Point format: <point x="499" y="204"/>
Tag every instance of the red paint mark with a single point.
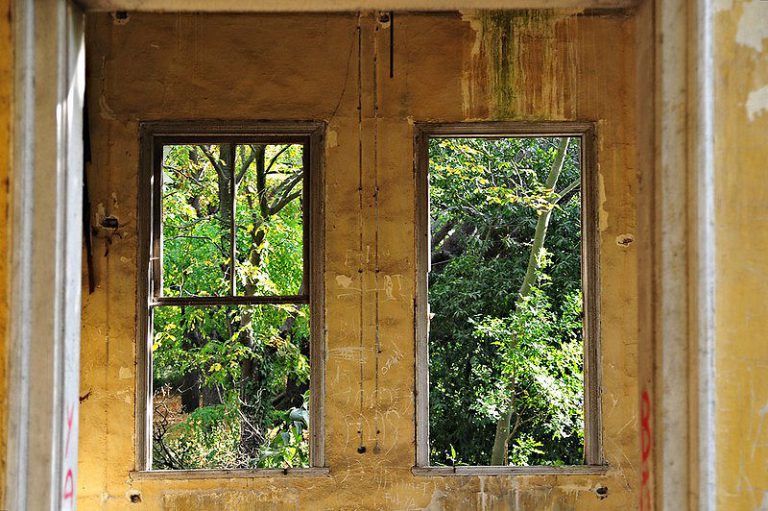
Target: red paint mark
<point x="68" y="495"/>
<point x="70" y="420"/>
<point x="69" y="486"/>
<point x="646" y="439"/>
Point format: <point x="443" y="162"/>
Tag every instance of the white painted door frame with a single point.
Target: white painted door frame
<point x="46" y="216"/>
<point x="683" y="284"/>
<point x="46" y="267"/>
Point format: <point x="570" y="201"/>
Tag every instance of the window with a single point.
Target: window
<point x="230" y="317"/>
<point x="507" y="321"/>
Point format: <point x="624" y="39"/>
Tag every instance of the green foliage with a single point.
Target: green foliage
<point x="229" y="381"/>
<point x="489" y="353"/>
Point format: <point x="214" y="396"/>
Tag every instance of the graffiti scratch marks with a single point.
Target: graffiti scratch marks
<point x="68" y="490"/>
<point x="645" y="448"/>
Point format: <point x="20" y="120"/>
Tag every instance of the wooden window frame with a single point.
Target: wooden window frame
<point x="590" y="276"/>
<point x="154" y="135"/>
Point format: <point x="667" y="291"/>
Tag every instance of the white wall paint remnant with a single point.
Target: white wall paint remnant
<point x="723" y="5"/>
<point x="602" y="214"/>
<point x="764" y="505"/>
<point x="753" y="25"/>
<point x="436" y="503"/>
<point x="757" y="101"/>
<point x="332" y="138"/>
<point x="343" y="281"/>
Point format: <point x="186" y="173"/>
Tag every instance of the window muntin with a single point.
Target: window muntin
<point x="231" y="381"/>
<point x="471" y="175"/>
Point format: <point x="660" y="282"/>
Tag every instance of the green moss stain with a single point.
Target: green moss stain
<point x="502" y="34"/>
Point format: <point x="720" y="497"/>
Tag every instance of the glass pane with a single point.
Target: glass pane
<point x="230" y="387"/>
<point x="270" y="223"/>
<point x="505" y="335"/>
<point x="196" y="219"/>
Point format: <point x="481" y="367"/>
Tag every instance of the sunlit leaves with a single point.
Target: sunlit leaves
<point x="206" y="408"/>
<point x="484" y="355"/>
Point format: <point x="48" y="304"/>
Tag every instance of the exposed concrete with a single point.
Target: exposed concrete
<point x="342" y="5"/>
<point x="448" y="67"/>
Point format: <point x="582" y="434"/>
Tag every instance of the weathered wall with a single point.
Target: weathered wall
<point x="342" y="5"/>
<point x="448" y="67"/>
<point x="741" y="152"/>
<point x="6" y="65"/>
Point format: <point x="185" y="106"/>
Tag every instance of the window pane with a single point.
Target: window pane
<point x="270" y="223"/>
<point x="196" y="217"/>
<point x="505" y="335"/>
<point x="230" y="387"/>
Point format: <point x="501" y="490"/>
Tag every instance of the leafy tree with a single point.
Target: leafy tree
<point x="505" y="336"/>
<point x="231" y="382"/>
<point x="241" y="373"/>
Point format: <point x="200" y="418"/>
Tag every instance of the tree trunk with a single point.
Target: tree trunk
<point x="500" y="451"/>
<point x="250" y="385"/>
<point x="251" y="436"/>
<point x="190" y="391"/>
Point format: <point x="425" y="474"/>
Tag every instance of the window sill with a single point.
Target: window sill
<point x="229" y="474"/>
<point x="573" y="470"/>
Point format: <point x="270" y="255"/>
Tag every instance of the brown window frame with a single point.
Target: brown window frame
<point x="594" y="461"/>
<point x="154" y="136"/>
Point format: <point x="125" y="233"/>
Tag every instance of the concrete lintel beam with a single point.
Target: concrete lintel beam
<point x="344" y="5"/>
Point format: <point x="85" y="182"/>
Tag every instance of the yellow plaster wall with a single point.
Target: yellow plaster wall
<point x="448" y="67"/>
<point x="741" y="146"/>
<point x="6" y="65"/>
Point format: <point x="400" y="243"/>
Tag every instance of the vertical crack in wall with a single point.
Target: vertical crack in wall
<point x="360" y="216"/>
<point x="376" y="269"/>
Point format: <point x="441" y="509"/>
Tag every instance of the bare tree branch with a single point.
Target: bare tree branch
<point x="567" y="192"/>
<point x="246" y="162"/>
<point x="273" y="210"/>
<point x="275" y="157"/>
<point x="206" y="150"/>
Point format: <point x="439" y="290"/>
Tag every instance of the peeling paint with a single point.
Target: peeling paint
<point x="602" y="211"/>
<point x="436" y="502"/>
<point x="344" y="281"/>
<point x="741" y="353"/>
<point x="764" y="505"/>
<point x="332" y="138"/>
<point x="105" y="111"/>
<point x="757" y="101"/>
<point x="753" y="25"/>
<point x="625" y="240"/>
<point x="723" y="5"/>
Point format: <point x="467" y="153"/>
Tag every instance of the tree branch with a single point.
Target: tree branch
<point x="441" y="233"/>
<point x="543" y="222"/>
<point x="567" y="193"/>
<point x="275" y="157"/>
<point x="246" y="162"/>
<point x="207" y="152"/>
<point x="189" y="236"/>
<point x="273" y="210"/>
